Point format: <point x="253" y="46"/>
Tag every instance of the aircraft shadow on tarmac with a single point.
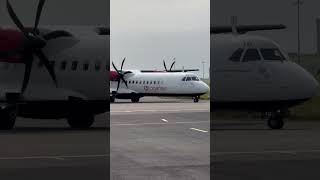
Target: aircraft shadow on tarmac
<point x="247" y="127"/>
<point x="19" y="130"/>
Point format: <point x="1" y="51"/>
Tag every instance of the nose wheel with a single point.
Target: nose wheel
<point x="275" y="120"/>
<point x="196" y="99"/>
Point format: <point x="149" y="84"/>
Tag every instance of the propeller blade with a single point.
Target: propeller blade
<point x="127" y="72"/>
<point x="125" y="82"/>
<point x="122" y="63"/>
<point x="164" y="64"/>
<point x="57" y="34"/>
<point x="115" y="68"/>
<point x="27" y="72"/>
<point x="39" y="11"/>
<point x="118" y="84"/>
<point x="42" y="57"/>
<point x="172" y="65"/>
<point x="15" y="19"/>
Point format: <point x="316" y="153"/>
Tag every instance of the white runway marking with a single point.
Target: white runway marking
<point x="141" y="124"/>
<point x="55" y="157"/>
<point x="164" y="120"/>
<point x="200" y="130"/>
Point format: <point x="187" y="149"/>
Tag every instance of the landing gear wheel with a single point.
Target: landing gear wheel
<point x="112" y="99"/>
<point x="196" y="99"/>
<point x="7" y="118"/>
<point x="81" y="121"/>
<point x="275" y="120"/>
<point x="135" y="99"/>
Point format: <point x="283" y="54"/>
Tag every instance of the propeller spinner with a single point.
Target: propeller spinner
<point x="32" y="44"/>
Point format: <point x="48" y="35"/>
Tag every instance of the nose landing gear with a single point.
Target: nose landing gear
<point x="196" y="99"/>
<point x="275" y="119"/>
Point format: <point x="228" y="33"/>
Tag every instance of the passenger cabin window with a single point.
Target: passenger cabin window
<point x="74" y="65"/>
<point x="86" y="66"/>
<point x="63" y="65"/>
<point x="251" y="55"/>
<point x="97" y="66"/>
<point x="272" y="54"/>
<point x="236" y="55"/>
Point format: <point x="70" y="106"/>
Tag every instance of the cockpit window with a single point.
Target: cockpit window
<point x="236" y="55"/>
<point x="272" y="54"/>
<point x="251" y="55"/>
<point x="188" y="79"/>
<point x="194" y="78"/>
<point x="184" y="78"/>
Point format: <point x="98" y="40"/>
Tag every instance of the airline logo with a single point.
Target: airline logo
<point x="154" y="89"/>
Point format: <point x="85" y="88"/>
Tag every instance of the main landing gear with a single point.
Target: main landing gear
<point x="8" y="117"/>
<point x="196" y="99"/>
<point x="80" y="120"/>
<point x="135" y="99"/>
<point x="275" y="119"/>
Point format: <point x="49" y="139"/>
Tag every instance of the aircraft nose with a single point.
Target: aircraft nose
<point x="204" y="87"/>
<point x="311" y="85"/>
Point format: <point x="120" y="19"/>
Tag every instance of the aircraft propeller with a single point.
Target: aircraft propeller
<point x="32" y="44"/>
<point x="165" y="67"/>
<point x="121" y="74"/>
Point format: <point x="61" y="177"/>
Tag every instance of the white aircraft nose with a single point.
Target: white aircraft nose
<point x="204" y="87"/>
<point x="306" y="85"/>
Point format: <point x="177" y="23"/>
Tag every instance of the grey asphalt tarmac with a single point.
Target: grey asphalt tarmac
<point x="48" y="149"/>
<point x="160" y="140"/>
<point x="248" y="150"/>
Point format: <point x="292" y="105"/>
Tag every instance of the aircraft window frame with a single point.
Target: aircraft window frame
<point x="63" y="65"/>
<point x="137" y="82"/>
<point x="184" y="78"/>
<point x="147" y="82"/>
<point x="150" y="82"/>
<point x="97" y="66"/>
<point x="235" y="56"/>
<point x="188" y="79"/>
<point x="282" y="57"/>
<point x="74" y="65"/>
<point x="144" y="82"/>
<point x="251" y="59"/>
<point x="86" y="66"/>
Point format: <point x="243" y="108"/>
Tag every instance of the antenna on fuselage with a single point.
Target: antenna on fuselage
<point x="234" y="23"/>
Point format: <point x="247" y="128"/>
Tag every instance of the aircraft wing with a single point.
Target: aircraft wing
<point x="245" y="28"/>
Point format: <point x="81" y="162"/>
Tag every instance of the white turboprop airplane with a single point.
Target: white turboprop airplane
<point x="134" y="84"/>
<point x="50" y="73"/>
<point x="253" y="73"/>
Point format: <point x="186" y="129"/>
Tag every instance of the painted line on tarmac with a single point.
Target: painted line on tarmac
<point x="164" y="120"/>
<point x="160" y="123"/>
<point x="55" y="157"/>
<point x="200" y="130"/>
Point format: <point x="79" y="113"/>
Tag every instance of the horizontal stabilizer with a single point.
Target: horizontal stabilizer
<point x="245" y="28"/>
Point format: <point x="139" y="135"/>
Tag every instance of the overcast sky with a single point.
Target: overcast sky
<point x="147" y="31"/>
<point x="272" y="12"/>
